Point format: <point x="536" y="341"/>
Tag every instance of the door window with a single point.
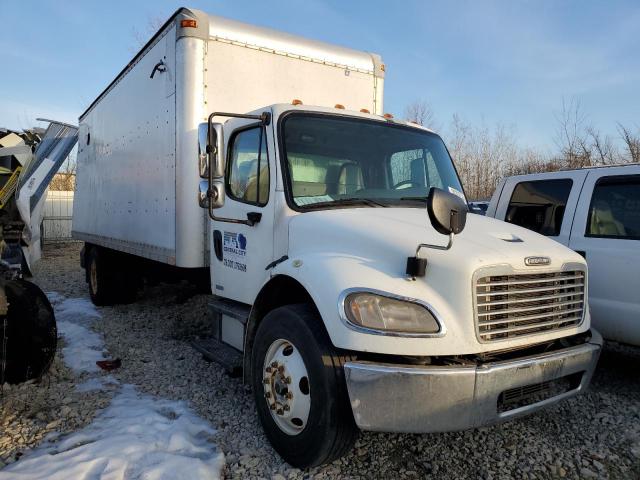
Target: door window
<point x="248" y="167"/>
<point x="539" y="205"/>
<point x="615" y="208"/>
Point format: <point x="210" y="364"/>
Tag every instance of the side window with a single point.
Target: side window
<point x="539" y="205"/>
<point x="414" y="168"/>
<point x="615" y="208"/>
<point x="248" y="167"/>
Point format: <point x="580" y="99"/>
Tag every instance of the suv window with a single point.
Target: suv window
<point x="615" y="208"/>
<point x="248" y="167"/>
<point x="539" y="205"/>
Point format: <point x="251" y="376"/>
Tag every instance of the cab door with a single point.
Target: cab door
<point x="241" y="252"/>
<point x="606" y="230"/>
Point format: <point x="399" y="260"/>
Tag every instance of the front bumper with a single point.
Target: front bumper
<point x="420" y="399"/>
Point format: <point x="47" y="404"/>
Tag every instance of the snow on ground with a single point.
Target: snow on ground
<point x="97" y="383"/>
<point x="83" y="347"/>
<point x="137" y="436"/>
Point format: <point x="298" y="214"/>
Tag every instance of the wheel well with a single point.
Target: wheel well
<point x="279" y="291"/>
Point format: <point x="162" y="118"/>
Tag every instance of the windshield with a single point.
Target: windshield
<point x="339" y="161"/>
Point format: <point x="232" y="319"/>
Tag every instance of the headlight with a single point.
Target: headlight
<point x="378" y="312"/>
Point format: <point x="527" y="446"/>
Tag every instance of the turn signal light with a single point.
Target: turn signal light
<point x="296" y="102"/>
<point x="387" y="115"/>
<point x="188" y="24"/>
<point x="364" y="110"/>
<point x="338" y="105"/>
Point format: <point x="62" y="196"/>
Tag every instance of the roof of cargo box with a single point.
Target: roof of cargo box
<point x="268" y="39"/>
<point x="231" y="31"/>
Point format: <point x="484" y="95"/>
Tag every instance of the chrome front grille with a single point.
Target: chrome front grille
<point x="516" y="305"/>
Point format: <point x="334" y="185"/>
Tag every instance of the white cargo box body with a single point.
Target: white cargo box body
<point x="138" y="177"/>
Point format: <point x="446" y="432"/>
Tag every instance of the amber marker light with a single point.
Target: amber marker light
<point x="295" y="101"/>
<point x="188" y="24"/>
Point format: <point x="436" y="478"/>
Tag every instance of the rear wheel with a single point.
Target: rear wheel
<point x="109" y="280"/>
<point x="28" y="334"/>
<point x="299" y="388"/>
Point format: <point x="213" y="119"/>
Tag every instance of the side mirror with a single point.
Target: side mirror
<point x="447" y="212"/>
<point x="214" y="160"/>
<point x="215" y="149"/>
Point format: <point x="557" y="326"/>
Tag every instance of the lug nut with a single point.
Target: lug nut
<point x="287" y="380"/>
<point x="281" y="368"/>
<point x="267" y="394"/>
<point x="268" y="370"/>
<point x="289" y="395"/>
<point x="274" y="364"/>
<point x="279" y="411"/>
<point x="287" y="408"/>
<point x="272" y="406"/>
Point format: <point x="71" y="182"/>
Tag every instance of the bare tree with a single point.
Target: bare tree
<point x="420" y="112"/>
<point x="141" y="37"/>
<point x="572" y="138"/>
<point x="602" y="147"/>
<point x="632" y="143"/>
<point x="484" y="155"/>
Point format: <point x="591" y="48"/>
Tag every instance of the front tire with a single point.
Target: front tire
<point x="299" y="388"/>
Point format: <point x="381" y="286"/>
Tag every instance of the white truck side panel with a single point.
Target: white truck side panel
<point x="126" y="189"/>
<point x="242" y="79"/>
<point x="137" y="159"/>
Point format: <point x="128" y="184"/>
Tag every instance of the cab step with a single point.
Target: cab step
<point x="216" y="351"/>
<point x="225" y="347"/>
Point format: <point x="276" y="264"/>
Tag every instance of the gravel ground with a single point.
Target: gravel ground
<point x="596" y="435"/>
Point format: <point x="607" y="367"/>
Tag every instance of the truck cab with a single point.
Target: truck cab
<point x="318" y="218"/>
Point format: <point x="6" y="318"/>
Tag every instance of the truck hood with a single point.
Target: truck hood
<point x="385" y="237"/>
<point x="335" y="251"/>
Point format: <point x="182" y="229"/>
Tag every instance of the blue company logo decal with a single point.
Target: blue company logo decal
<point x="234" y="246"/>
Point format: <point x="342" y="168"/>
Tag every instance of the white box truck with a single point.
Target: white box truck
<point x="345" y="273"/>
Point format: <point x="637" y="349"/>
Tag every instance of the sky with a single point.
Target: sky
<point x="508" y="63"/>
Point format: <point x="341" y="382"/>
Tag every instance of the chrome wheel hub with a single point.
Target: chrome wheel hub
<point x="286" y="387"/>
<point x="93" y="276"/>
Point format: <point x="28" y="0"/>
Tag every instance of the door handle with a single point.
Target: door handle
<point x="253" y="218"/>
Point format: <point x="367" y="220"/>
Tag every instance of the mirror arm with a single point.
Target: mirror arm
<point x="252" y="217"/>
<point x="264" y="117"/>
<point x="436" y="247"/>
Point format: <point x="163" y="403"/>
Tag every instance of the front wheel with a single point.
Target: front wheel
<point x="299" y="388"/>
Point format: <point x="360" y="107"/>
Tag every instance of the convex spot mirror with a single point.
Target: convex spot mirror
<point x="447" y="212"/>
<point x="215" y="149"/>
<point x="203" y="155"/>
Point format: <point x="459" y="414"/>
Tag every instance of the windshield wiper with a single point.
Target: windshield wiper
<point x="415" y="199"/>
<point x="345" y="201"/>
